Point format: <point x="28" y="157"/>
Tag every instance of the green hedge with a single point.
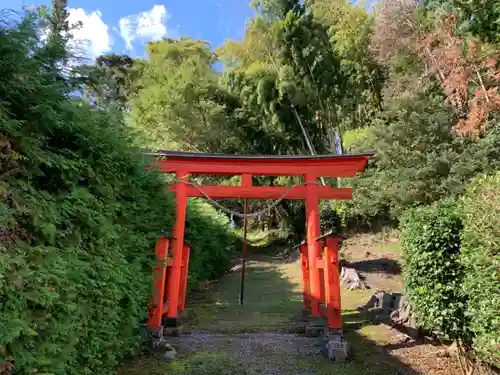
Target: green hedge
<point x="432" y="271"/>
<point x="480" y="256"/>
<point x="78" y="220"/>
<point x="452" y="267"/>
<point x="213" y="243"/>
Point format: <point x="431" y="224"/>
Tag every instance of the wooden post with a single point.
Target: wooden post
<point x="322" y="285"/>
<point x="306" y="290"/>
<point x="313" y="232"/>
<point x="246" y="180"/>
<point x="173" y="287"/>
<point x="332" y="282"/>
<point x="161" y="251"/>
<point x="184" y="277"/>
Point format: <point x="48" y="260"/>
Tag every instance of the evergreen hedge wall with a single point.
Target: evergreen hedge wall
<point x="480" y="256"/>
<point x="78" y="220"/>
<point x="432" y="270"/>
<point x="452" y="267"/>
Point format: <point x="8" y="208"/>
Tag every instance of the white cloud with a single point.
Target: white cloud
<point x="145" y="25"/>
<point x="92" y="36"/>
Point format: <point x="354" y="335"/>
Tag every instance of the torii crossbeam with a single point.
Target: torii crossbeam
<point x="310" y="167"/>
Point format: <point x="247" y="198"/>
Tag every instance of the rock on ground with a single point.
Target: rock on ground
<point x="350" y="279"/>
<point x="393" y="309"/>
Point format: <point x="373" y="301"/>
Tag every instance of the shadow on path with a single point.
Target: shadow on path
<point x="380" y="265"/>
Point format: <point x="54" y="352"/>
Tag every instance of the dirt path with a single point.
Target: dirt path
<point x="224" y="338"/>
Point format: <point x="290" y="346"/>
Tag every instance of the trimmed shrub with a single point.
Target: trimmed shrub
<point x="213" y="243"/>
<point x="79" y="216"/>
<point x="480" y="256"/>
<point x="432" y="270"/>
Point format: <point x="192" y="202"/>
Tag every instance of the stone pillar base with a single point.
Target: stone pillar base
<point x="173" y="331"/>
<point x="338" y="349"/>
<point x="157" y="333"/>
<point x="315" y="327"/>
<point x="173" y="327"/>
<point x="162" y="350"/>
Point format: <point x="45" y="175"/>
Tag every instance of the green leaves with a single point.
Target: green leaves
<point x="432" y="270"/>
<point x="178" y="104"/>
<point x="111" y="81"/>
<point x="451" y="266"/>
<point x="419" y="160"/>
<point x="79" y="217"/>
<point x="477" y="17"/>
<point x="480" y="256"/>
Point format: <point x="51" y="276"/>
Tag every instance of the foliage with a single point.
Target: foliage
<point x="481" y="259"/>
<point x="329" y="219"/>
<point x="480" y="18"/>
<point x="350" y="30"/>
<point x="255" y="48"/>
<point x="451" y="266"/>
<point x="78" y="219"/>
<point x="111" y="80"/>
<point x="284" y="87"/>
<point x="432" y="270"/>
<point x="396" y="28"/>
<point x="352" y="137"/>
<point x="275" y="9"/>
<point x="58" y="21"/>
<point x="213" y="244"/>
<point x="468" y="73"/>
<point x="419" y="160"/>
<point x="178" y="103"/>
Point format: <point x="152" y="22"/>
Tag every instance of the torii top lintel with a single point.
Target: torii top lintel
<point x="218" y="164"/>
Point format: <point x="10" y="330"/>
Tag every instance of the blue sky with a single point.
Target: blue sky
<point x="123" y="26"/>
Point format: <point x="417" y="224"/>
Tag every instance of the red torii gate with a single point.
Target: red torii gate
<point x="170" y="288"/>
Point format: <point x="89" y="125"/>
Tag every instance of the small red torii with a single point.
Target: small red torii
<point x="321" y="280"/>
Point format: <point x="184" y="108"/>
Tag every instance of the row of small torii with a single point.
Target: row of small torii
<point x="319" y="254"/>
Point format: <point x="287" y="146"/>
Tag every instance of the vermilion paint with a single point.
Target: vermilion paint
<point x="316" y="285"/>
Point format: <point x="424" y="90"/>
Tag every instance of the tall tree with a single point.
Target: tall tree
<point x="58" y="34"/>
<point x="298" y="73"/>
<point x="59" y="17"/>
<point x="111" y="80"/>
<point x="480" y="18"/>
<point x="275" y="9"/>
<point x="468" y="71"/>
<point x="350" y="29"/>
<point x="179" y="104"/>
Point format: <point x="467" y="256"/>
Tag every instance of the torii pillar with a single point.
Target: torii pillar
<point x="310" y="167"/>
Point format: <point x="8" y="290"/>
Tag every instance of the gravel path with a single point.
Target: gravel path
<point x="263" y="353"/>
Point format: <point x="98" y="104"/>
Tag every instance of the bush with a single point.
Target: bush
<point x="212" y="242"/>
<point x="79" y="216"/>
<point x="432" y="270"/>
<point x="480" y="256"/>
